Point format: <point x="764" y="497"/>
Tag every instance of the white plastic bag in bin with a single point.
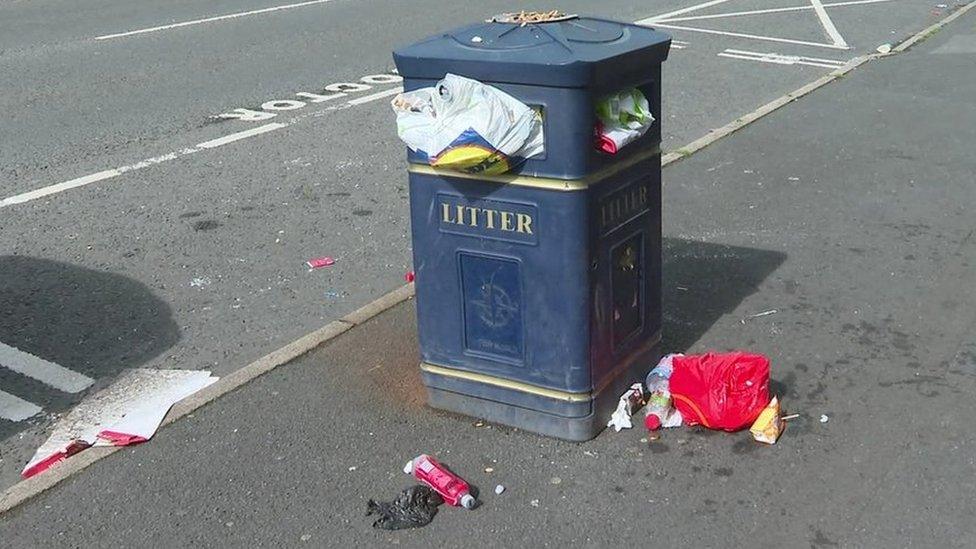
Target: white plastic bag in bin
<point x="462" y="124"/>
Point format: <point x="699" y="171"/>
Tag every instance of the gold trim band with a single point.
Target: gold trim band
<point x="519" y="386"/>
<point x="523" y="387"/>
<point x="549" y="183"/>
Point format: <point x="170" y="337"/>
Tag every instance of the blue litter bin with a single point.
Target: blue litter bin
<point x="539" y="291"/>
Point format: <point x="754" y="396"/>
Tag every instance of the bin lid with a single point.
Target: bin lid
<point x="568" y="51"/>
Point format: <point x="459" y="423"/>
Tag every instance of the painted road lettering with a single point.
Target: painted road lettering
<point x="270" y="109"/>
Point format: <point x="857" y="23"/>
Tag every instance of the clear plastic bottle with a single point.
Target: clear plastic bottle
<point x="660" y="411"/>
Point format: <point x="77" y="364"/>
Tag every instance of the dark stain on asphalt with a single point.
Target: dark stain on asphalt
<point x="695" y="469"/>
<point x="790" y="286"/>
<point x="801" y="366"/>
<point x="816" y="393"/>
<point x="188" y="215"/>
<point x="246" y="208"/>
<point x="206" y="225"/>
<point x="723" y="472"/>
<point x="820" y="540"/>
<point x="338" y="194"/>
<point x="659" y="448"/>
<point x="361" y="212"/>
<point x="702" y="431"/>
<point x="618" y="489"/>
<point x="744" y="446"/>
<point x="901" y="342"/>
<point x="783" y="386"/>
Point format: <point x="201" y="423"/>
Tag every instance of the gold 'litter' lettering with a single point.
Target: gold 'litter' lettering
<point x="489" y="218"/>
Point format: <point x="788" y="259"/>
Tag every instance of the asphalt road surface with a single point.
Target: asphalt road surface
<point x="166" y="168"/>
<point x="857" y="233"/>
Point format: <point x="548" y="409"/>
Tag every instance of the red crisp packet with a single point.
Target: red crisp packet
<point x="320" y="262"/>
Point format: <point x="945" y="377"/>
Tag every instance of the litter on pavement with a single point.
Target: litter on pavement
<point x="824" y="418"/>
<point x="129" y="411"/>
<point x="629" y="403"/>
<point x="319" y="262"/>
<point x="451" y="487"/>
<point x="499" y="489"/>
<point x="414" y="507"/>
<point x="660" y="408"/>
<point x="769" y="425"/>
<point x="622" y="118"/>
<point x="462" y="124"/>
<point x="724" y="391"/>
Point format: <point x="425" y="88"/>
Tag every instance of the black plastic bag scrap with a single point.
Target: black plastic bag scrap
<point x="412" y="508"/>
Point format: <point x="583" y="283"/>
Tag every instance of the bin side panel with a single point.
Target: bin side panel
<point x="626" y="286"/>
<point x="502" y="281"/>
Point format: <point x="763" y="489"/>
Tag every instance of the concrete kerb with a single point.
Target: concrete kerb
<point x="26" y="489"/>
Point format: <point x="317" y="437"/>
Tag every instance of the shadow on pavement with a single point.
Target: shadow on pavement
<point x="703" y="282"/>
<point x="92" y="322"/>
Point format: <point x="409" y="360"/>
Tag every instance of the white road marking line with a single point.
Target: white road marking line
<point x="828" y="25"/>
<point x="678" y="44"/>
<point x="375" y="96"/>
<point x="679" y="12"/>
<point x="16" y="409"/>
<point x="46" y="372"/>
<point x="835" y="62"/>
<point x="784" y="60"/>
<point x="210" y="19"/>
<point x="752" y="36"/>
<point x="770" y="10"/>
<point x="206" y="145"/>
<point x="214" y="143"/>
<point x="60" y="187"/>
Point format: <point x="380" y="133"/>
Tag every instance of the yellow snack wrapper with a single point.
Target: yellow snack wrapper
<point x="768" y="425"/>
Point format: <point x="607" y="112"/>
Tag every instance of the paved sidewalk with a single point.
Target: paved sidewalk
<point x="848" y="213"/>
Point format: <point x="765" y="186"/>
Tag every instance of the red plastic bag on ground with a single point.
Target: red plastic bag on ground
<point x="720" y="390"/>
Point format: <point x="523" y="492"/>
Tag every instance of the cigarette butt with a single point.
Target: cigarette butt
<point x="791" y="416"/>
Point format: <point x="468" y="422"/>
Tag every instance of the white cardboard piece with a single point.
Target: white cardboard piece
<point x="128" y="411"/>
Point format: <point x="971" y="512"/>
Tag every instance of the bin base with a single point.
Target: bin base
<point x="577" y="428"/>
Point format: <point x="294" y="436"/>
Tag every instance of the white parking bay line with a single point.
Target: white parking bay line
<point x="752" y="36"/>
<point x="834" y="62"/>
<point x="16" y="409"/>
<point x="827" y="24"/>
<point x="214" y="143"/>
<point x="663" y="16"/>
<point x="766" y="11"/>
<point x="780" y="59"/>
<point x="46" y="372"/>
<point x="210" y="19"/>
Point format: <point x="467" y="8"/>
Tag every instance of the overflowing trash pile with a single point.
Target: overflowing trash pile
<point x="622" y="118"/>
<point x="722" y="391"/>
<point x="464" y="125"/>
